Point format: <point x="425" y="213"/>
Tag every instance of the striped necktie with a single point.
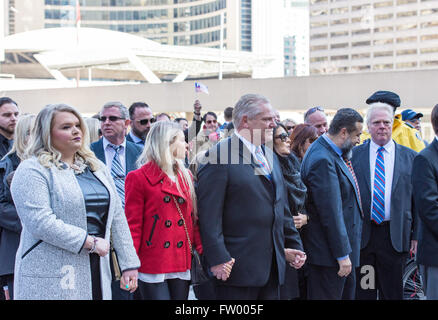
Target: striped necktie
<point x="118" y="174"/>
<point x="378" y="209"/>
<point x="262" y="163"/>
<point x="356" y="184"/>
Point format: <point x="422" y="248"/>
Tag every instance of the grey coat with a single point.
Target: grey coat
<point x="51" y="207"/>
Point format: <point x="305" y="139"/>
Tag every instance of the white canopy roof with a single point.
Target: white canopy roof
<point x="61" y="50"/>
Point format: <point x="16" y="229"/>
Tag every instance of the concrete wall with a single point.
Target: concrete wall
<point x="417" y="90"/>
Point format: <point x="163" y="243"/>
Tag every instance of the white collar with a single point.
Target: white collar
<point x="106" y="143"/>
<point x="389" y="147"/>
<point x="247" y="143"/>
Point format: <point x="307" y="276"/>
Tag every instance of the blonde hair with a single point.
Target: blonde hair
<point x="157" y="148"/>
<point x="40" y="143"/>
<point x="93" y="125"/>
<point x="21" y="133"/>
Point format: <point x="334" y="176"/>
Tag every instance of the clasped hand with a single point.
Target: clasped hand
<point x="223" y="271"/>
<point x="296" y="258"/>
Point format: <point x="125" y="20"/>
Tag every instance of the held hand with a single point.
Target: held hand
<point x="129" y="280"/>
<point x="296" y="258"/>
<point x="300" y="220"/>
<point x="414" y="244"/>
<point x="344" y="267"/>
<point x="223" y="271"/>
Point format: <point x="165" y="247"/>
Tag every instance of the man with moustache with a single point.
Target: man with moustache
<point x="8" y="119"/>
<point x="383" y="169"/>
<point x="332" y="238"/>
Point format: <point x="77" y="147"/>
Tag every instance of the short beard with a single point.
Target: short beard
<point x="6" y="130"/>
<point x="139" y="134"/>
<point x="347" y="148"/>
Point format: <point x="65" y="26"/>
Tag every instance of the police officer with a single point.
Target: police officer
<point x="413" y="119"/>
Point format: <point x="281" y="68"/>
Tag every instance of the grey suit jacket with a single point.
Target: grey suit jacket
<point x="403" y="226"/>
<point x="51" y="207"/>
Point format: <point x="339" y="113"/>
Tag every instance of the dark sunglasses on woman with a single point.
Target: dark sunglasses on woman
<point x="283" y="137"/>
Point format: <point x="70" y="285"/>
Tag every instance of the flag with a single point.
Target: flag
<point x="78" y="14"/>
<point x="199" y="87"/>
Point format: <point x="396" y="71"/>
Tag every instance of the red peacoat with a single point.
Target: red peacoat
<point x="156" y="226"/>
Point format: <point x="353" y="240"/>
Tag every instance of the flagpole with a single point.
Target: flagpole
<point x="78" y="24"/>
<point x="221" y="45"/>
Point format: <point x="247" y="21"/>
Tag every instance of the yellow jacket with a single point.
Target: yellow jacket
<point x="402" y="134"/>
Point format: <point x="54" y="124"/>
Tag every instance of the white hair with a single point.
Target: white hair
<point x="379" y="106"/>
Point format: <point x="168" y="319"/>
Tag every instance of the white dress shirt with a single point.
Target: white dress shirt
<point x="110" y="153"/>
<point x="389" y="158"/>
<point x="252" y="148"/>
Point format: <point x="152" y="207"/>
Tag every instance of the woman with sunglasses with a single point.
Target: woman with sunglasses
<point x="296" y="191"/>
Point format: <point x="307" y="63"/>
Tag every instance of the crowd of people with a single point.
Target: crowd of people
<point x="115" y="206"/>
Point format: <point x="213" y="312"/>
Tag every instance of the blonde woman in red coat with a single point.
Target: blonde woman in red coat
<point x="159" y="232"/>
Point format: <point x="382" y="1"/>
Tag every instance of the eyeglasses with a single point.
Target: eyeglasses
<point x="290" y="128"/>
<point x="110" y="118"/>
<point x="313" y="110"/>
<point x="283" y="137"/>
<point x="210" y="121"/>
<point x="144" y="122"/>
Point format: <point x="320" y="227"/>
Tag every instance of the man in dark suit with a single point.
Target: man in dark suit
<point x="383" y="169"/>
<point x="142" y="118"/>
<point x="9" y="224"/>
<point x="425" y="184"/>
<point x="332" y="238"/>
<point x="243" y="212"/>
<point x="119" y="155"/>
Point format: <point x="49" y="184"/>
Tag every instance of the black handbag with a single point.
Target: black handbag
<point x="198" y="273"/>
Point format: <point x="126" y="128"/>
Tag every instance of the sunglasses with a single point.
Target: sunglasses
<point x="290" y="128"/>
<point x="313" y="110"/>
<point x="283" y="137"/>
<point x="110" y="118"/>
<point x="145" y="121"/>
<point x="211" y="121"/>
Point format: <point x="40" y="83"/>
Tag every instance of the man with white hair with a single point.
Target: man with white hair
<point x="401" y="133"/>
<point x="389" y="230"/>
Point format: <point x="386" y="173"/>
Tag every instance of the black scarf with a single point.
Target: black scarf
<point x="296" y="189"/>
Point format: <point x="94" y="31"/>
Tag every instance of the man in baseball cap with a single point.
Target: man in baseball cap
<point x="401" y="132"/>
<point x="412" y="118"/>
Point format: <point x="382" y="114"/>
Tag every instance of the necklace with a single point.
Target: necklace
<point x="78" y="165"/>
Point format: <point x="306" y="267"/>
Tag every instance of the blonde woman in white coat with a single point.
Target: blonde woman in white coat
<point x="57" y="191"/>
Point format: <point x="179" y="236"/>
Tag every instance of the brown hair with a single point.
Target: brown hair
<point x="434" y="119"/>
<point x="301" y="133"/>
